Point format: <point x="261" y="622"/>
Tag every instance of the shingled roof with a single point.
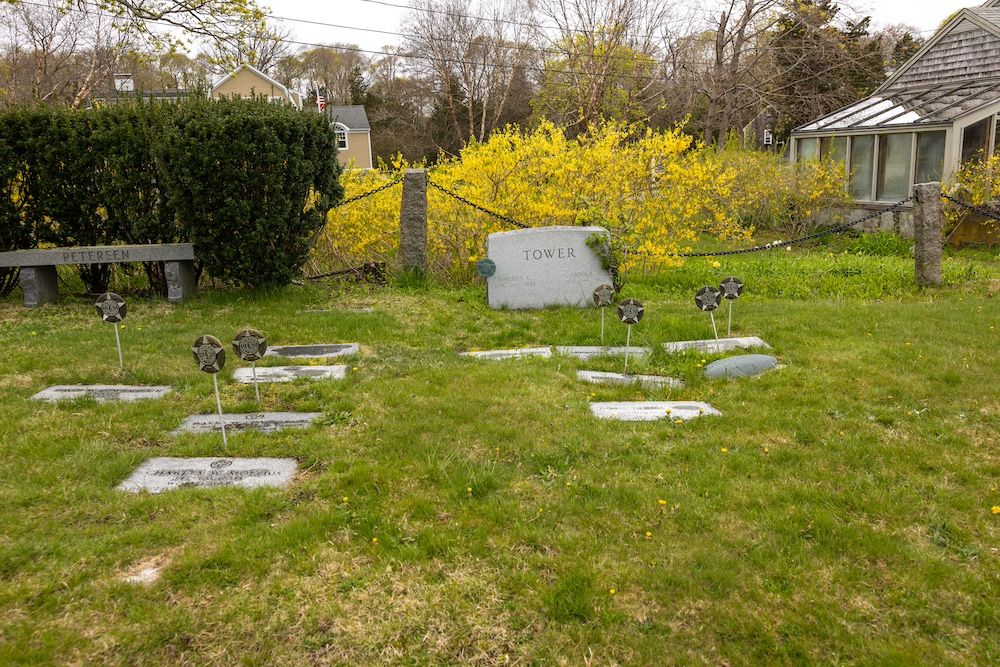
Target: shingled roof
<point x="956" y="73"/>
<point x="967" y="47"/>
<point x="354" y="117"/>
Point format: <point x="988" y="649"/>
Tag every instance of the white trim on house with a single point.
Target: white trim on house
<point x="342" y="130"/>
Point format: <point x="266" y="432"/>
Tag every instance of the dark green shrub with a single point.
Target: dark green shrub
<point x="128" y="180"/>
<point x="251" y="184"/>
<point x="69" y="206"/>
<point x="16" y="227"/>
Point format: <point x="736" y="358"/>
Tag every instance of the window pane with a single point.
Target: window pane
<point x="930" y="157"/>
<point x="974" y="140"/>
<point x="824" y="148"/>
<point x="862" y="163"/>
<point x="996" y="139"/>
<point x="808" y="150"/>
<point x="894" y="153"/>
<point x="838" y="149"/>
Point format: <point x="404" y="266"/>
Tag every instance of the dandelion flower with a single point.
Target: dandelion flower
<point x="468" y="489"/>
<point x="612" y="591"/>
<point x="996" y="509"/>
<point x="648" y="534"/>
<point x="344" y="499"/>
<point x="724" y="450"/>
<point x="662" y="501"/>
<point x="374" y="540"/>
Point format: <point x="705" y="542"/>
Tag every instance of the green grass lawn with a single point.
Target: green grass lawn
<point x="452" y="511"/>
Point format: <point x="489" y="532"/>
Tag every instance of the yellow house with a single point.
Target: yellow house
<point x="354" y="135"/>
<point x="248" y="81"/>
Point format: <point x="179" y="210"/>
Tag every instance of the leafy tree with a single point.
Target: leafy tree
<point x="821" y="64"/>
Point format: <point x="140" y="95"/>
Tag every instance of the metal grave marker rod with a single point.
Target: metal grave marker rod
<point x="112" y="308"/>
<point x="731" y="288"/>
<point x="630" y="311"/>
<point x="707" y="299"/>
<point x="211" y="357"/>
<point x="250" y="345"/>
<point x="602" y="299"/>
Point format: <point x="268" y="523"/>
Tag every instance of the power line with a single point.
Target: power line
<point x="505" y="45"/>
<point x="410" y="56"/>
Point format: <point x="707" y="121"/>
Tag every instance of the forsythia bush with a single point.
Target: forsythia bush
<point x="657" y="193"/>
<point x="977" y="183"/>
<point x="366" y="230"/>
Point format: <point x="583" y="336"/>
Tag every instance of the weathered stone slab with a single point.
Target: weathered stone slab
<point x="712" y="346"/>
<point x="110" y="254"/>
<point x="326" y="351"/>
<point x="588" y="352"/>
<point x="290" y="373"/>
<point x="520" y="353"/>
<point x="168" y="473"/>
<point x="265" y="422"/>
<point x="545" y="266"/>
<point x="102" y="393"/>
<point x="647" y="381"/>
<point x="40" y="285"/>
<point x="743" y="366"/>
<point x="644" y="411"/>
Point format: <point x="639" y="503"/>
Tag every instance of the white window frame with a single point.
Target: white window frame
<point x="340" y="130"/>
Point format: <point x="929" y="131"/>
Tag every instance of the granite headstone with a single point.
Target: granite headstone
<point x="544" y="266"/>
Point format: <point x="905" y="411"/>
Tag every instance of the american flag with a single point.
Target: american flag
<point x="320" y="102"/>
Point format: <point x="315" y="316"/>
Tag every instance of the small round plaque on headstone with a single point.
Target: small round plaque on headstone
<point x="111" y="307"/>
<point x="249" y="345"/>
<point x="486" y="268"/>
<point x="603" y="296"/>
<point x="630" y="311"/>
<point x="708" y="298"/>
<point x="731" y="287"/>
<point x="209" y="353"/>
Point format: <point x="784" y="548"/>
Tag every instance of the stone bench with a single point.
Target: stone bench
<point x="38" y="267"/>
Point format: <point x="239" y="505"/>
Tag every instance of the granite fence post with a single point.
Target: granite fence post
<point x="927" y="234"/>
<point x="413" y="222"/>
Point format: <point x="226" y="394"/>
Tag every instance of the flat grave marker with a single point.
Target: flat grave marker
<point x="321" y="351"/>
<point x="644" y="411"/>
<point x="544" y="266"/>
<point x="712" y="346"/>
<point x="267" y="374"/>
<point x="500" y="355"/>
<point x="102" y="393"/>
<point x="168" y="473"/>
<point x="588" y="352"/>
<point x="646" y="381"/>
<point x="264" y="422"/>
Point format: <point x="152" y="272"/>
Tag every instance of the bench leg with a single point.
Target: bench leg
<point x="40" y="285"/>
<point x="180" y="280"/>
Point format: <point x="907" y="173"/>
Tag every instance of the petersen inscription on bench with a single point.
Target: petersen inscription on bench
<point x="38" y="266"/>
<point x="168" y="473"/>
<point x="546" y="266"/>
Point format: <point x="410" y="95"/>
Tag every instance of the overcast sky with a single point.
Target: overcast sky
<point x="925" y="15"/>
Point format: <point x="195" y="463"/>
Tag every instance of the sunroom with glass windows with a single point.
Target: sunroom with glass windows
<point x="896" y="138"/>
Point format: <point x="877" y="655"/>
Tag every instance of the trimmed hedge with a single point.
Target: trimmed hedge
<point x="248" y="183"/>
